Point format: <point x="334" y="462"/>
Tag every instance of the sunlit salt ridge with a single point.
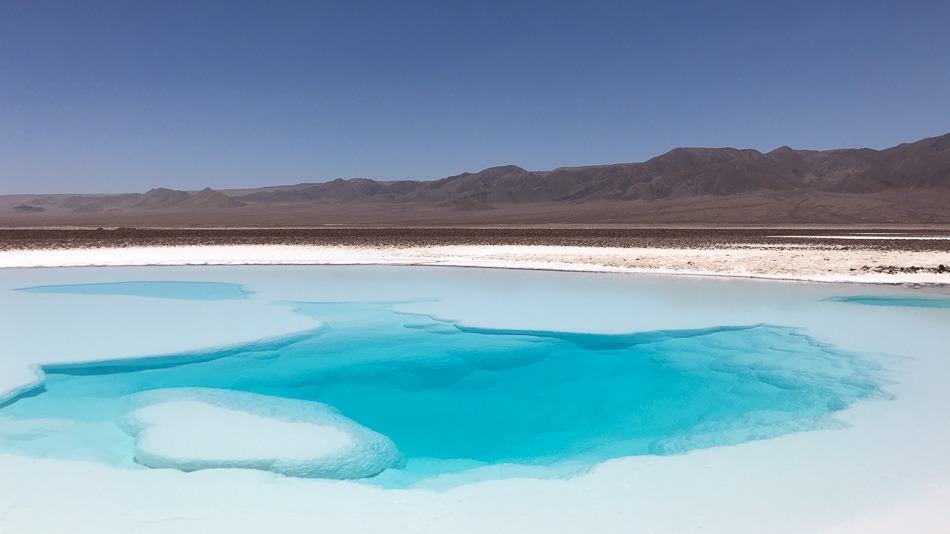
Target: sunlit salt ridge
<point x="192" y="429"/>
<point x="451" y="399"/>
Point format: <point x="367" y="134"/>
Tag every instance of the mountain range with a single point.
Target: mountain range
<point x="905" y="183"/>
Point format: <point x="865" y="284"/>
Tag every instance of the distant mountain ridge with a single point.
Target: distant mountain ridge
<point x="159" y="198"/>
<point x="681" y="172"/>
<point x="893" y="180"/>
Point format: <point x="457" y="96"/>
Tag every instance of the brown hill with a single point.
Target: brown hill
<point x="906" y="183"/>
<point x="679" y="173"/>
<point x="209" y="198"/>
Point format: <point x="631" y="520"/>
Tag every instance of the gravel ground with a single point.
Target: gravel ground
<point x="888" y="238"/>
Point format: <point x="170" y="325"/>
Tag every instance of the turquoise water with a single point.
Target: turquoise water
<point x="454" y="398"/>
<point x="903" y="302"/>
<point x="162" y="289"/>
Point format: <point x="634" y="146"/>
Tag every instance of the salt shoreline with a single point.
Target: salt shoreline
<point x="766" y="261"/>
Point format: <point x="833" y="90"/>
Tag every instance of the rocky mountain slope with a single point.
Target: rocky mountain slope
<point x="905" y="183"/>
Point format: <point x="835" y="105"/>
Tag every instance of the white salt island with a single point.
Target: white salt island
<point x="194" y="428"/>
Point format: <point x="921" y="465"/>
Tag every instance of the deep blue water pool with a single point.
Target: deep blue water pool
<point x="453" y="398"/>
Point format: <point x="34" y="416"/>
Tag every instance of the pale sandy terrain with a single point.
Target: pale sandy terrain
<point x="789" y="262"/>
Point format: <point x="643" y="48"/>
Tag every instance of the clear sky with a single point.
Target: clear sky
<point x="128" y="95"/>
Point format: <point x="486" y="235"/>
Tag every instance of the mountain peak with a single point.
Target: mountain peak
<point x="162" y="197"/>
<point x="782" y="149"/>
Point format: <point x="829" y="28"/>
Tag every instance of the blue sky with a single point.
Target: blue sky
<point x="128" y="95"/>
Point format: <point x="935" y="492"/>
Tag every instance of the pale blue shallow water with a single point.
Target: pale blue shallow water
<point x="158" y="289"/>
<point x="453" y="398"/>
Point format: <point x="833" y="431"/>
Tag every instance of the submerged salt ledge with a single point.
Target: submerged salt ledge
<point x="17" y="381"/>
<point x="134" y="331"/>
<point x="192" y="429"/>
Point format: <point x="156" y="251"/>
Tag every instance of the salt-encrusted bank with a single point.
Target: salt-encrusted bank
<point x="792" y="262"/>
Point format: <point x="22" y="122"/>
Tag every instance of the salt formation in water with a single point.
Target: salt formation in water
<point x="195" y="428"/>
<point x="903" y="302"/>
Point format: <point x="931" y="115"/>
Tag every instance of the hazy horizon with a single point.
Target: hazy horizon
<point x="323" y="180"/>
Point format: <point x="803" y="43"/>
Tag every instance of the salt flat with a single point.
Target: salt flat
<point x="802" y="262"/>
<point x="884" y="466"/>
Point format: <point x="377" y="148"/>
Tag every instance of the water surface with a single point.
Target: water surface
<point x="454" y="398"/>
<point x="895" y="301"/>
<point x="152" y="289"/>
